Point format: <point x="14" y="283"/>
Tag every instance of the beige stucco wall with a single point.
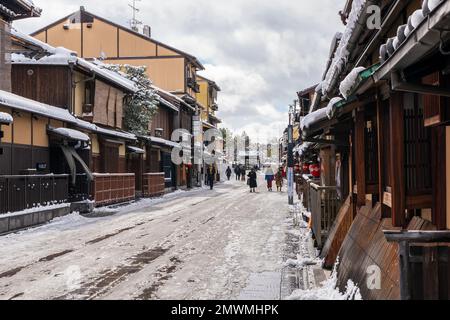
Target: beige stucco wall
<point x="122" y="150"/>
<point x="95" y="146"/>
<point x="40" y="137"/>
<point x="102" y="37"/>
<point x="168" y="74"/>
<point x="79" y="93"/>
<point x="21" y="128"/>
<point x="57" y="36"/>
<point x="134" y="46"/>
<point x="7" y="130"/>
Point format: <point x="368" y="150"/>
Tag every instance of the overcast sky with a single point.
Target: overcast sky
<point x="260" y="52"/>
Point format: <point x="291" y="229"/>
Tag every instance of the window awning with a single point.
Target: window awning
<point x="135" y="150"/>
<point x="161" y="141"/>
<point x="70" y="134"/>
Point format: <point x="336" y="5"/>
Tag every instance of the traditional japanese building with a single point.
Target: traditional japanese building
<point x="170" y="69"/>
<point x="380" y="107"/>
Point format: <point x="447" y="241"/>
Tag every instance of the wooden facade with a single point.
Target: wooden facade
<point x="396" y="132"/>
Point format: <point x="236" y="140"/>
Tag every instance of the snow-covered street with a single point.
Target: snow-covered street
<point x="202" y="244"/>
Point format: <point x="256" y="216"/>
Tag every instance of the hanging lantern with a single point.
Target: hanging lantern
<point x="305" y="168"/>
<point x="314" y="169"/>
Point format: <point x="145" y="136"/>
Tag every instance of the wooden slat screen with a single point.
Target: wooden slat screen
<point x="417" y="147"/>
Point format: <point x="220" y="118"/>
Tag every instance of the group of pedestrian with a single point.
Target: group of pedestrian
<point x="278" y="177"/>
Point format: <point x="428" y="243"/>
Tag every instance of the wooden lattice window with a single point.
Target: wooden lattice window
<point x="417" y="147"/>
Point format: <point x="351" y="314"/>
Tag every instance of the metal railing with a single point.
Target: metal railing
<point x="22" y="192"/>
<point x="324" y="206"/>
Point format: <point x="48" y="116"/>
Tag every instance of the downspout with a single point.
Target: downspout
<point x="400" y="84"/>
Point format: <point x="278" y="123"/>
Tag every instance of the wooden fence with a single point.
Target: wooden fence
<point x="113" y="188"/>
<point x="153" y="184"/>
<point x="22" y="192"/>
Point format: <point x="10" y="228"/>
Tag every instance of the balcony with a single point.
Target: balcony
<point x="192" y="83"/>
<point x="22" y="192"/>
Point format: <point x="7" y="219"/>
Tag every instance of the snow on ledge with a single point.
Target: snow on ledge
<point x="35" y="209"/>
<point x="348" y="83"/>
<point x="6" y="118"/>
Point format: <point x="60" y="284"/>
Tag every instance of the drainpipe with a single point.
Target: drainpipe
<point x="400" y="84"/>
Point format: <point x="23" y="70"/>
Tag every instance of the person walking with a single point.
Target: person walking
<point x="279" y="179"/>
<point x="237" y="171"/>
<point x="252" y="177"/>
<point x="269" y="178"/>
<point x="243" y="173"/>
<point x="211" y="176"/>
<point x="228" y="173"/>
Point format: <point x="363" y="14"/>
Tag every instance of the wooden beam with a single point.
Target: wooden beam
<point x="360" y="162"/>
<point x="380" y="141"/>
<point x="397" y="170"/>
<point x="439" y="183"/>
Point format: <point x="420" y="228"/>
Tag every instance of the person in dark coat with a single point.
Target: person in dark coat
<point x="243" y="173"/>
<point x="211" y="176"/>
<point x="228" y="173"/>
<point x="237" y="172"/>
<point x="252" y="180"/>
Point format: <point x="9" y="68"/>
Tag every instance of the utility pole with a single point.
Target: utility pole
<point x="290" y="157"/>
<point x="134" y="23"/>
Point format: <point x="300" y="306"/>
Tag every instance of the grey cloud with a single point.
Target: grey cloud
<point x="260" y="51"/>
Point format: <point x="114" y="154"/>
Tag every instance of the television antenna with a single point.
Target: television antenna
<point x="134" y="23"/>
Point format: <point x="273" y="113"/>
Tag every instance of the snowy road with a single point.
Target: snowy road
<point x="221" y="244"/>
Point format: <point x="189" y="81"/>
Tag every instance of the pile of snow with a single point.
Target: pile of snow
<point x="301" y="262"/>
<point x="328" y="291"/>
<point x="6" y="118"/>
<point x="51" y="206"/>
<point x="342" y="52"/>
<point x="330" y="107"/>
<point x="349" y="82"/>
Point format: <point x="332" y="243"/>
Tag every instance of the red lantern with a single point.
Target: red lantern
<point x="305" y="168"/>
<point x="314" y="169"/>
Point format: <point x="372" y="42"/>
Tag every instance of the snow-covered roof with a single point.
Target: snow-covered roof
<point x="9" y="99"/>
<point x="406" y="30"/>
<point x="349" y="82"/>
<point x="343" y="50"/>
<point x="312" y="118"/>
<point x="70" y="133"/>
<point x="162" y="141"/>
<point x="136" y="150"/>
<point x="6" y="118"/>
<point x="63" y="56"/>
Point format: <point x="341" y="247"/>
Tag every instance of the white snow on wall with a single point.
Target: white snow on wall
<point x="342" y="52"/>
<point x="349" y="81"/>
<point x="6" y="118"/>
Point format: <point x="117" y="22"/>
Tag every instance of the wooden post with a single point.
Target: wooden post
<point x="405" y="291"/>
<point x="397" y="168"/>
<point x="380" y="141"/>
<point x="438" y="168"/>
<point x="360" y="126"/>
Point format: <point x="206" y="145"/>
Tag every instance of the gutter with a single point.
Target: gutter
<point x="399" y="84"/>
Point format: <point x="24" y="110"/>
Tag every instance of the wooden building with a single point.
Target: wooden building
<point x="170" y="69"/>
<point x="387" y="125"/>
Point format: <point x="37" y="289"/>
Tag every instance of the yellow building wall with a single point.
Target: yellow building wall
<point x="40" y="137"/>
<point x="101" y="37"/>
<point x="134" y="46"/>
<point x="79" y="94"/>
<point x="202" y="97"/>
<point x="162" y="51"/>
<point x="7" y="130"/>
<point x="122" y="150"/>
<point x="21" y="129"/>
<point x="95" y="146"/>
<point x="56" y="123"/>
<point x="57" y="36"/>
<point x="168" y="74"/>
<point x="40" y="36"/>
